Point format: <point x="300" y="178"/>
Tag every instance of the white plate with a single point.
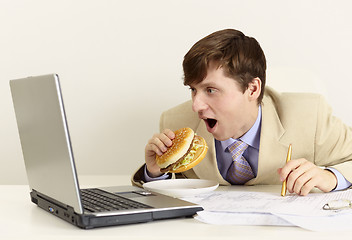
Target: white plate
<point x="181" y="187"/>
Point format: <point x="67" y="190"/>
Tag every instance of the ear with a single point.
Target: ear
<point x="254" y="89"/>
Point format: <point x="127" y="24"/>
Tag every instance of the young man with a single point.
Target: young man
<point x="230" y="104"/>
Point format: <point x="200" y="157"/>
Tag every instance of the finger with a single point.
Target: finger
<point x="155" y="145"/>
<point x="289" y="167"/>
<point x="160" y="142"/>
<point x="151" y="149"/>
<point x="298" y="177"/>
<point x="170" y="134"/>
<point x="166" y="139"/>
<point x="292" y="177"/>
<point x="307" y="187"/>
<point x="300" y="186"/>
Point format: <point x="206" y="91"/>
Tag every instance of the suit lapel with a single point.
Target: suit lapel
<point x="273" y="147"/>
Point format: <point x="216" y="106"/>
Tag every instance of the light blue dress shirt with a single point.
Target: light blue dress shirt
<point x="251" y="154"/>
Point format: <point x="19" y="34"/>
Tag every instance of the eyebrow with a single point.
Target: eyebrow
<point x="204" y="85"/>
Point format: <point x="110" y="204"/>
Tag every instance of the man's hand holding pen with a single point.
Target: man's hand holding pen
<point x="302" y="176"/>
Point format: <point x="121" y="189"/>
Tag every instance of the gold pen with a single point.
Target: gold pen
<point x="284" y="187"/>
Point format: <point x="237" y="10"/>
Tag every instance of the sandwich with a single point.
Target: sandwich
<point x="186" y="151"/>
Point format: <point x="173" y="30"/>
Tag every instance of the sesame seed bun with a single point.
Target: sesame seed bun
<point x="186" y="151"/>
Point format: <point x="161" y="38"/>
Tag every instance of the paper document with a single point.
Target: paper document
<point x="261" y="208"/>
<point x="259" y="202"/>
<point x="229" y="218"/>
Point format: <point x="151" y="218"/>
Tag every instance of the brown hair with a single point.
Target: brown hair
<point x="240" y="56"/>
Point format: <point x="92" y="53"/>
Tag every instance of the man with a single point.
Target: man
<point x="234" y="111"/>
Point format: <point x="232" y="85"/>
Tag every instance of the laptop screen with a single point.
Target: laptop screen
<point x="45" y="138"/>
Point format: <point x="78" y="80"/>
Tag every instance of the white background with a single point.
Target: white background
<point x="120" y="64"/>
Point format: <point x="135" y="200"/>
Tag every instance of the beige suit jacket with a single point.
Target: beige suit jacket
<point x="302" y="119"/>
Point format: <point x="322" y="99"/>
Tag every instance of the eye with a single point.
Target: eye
<point x="211" y="90"/>
<point x="193" y="90"/>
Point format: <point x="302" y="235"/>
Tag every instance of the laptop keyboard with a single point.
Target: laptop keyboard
<point x="96" y="200"/>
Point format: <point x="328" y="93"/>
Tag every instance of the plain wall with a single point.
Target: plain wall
<point x="120" y="64"/>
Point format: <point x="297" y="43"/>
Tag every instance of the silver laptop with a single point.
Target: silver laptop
<point x="51" y="170"/>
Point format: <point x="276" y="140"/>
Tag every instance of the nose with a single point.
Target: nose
<point x="198" y="104"/>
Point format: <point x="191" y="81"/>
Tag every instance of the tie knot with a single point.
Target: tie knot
<point x="237" y="147"/>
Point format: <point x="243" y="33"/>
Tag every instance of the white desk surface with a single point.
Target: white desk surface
<point x="21" y="219"/>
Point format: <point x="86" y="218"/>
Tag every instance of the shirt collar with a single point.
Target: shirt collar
<point x="251" y="137"/>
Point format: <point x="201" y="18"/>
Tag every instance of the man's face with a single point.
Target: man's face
<point x="225" y="109"/>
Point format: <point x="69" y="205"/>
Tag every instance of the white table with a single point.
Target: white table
<point x="21" y="219"/>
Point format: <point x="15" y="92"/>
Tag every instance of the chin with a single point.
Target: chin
<point x="224" y="136"/>
<point x="220" y="137"/>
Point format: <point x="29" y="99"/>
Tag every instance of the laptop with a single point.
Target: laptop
<point x="51" y="170"/>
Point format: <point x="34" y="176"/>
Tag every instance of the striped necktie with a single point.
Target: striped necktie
<point x="240" y="171"/>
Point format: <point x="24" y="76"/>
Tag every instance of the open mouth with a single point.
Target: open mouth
<point x="211" y="122"/>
